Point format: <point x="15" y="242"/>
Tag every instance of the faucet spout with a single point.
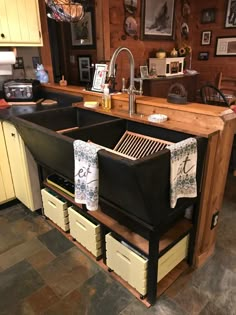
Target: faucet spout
<point x="111" y="74"/>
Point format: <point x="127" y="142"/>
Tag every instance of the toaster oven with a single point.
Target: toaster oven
<point x="21" y="90"/>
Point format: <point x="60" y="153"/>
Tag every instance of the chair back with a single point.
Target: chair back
<point x="227" y="84"/>
<point x="211" y="95"/>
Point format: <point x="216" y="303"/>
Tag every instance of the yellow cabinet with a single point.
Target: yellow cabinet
<point x="20" y="23"/>
<point x="23" y="168"/>
<point x="6" y="185"/>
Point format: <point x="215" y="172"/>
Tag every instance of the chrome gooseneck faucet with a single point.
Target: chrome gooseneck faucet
<point x="111" y="74"/>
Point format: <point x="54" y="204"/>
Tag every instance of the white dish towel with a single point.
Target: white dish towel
<point x="183" y="166"/>
<point x="86" y="174"/>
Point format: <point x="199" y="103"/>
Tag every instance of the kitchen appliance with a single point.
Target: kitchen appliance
<point x="21" y="90"/>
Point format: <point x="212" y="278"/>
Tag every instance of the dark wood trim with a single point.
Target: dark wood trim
<point x="45" y="50"/>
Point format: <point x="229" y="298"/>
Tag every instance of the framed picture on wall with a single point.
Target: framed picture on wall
<point x="208" y="16"/>
<point x="225" y="46"/>
<point x="84" y="69"/>
<point x="83" y="32"/>
<point x="206" y="38"/>
<point x="203" y="55"/>
<point x="230" y="16"/>
<point x="157" y="20"/>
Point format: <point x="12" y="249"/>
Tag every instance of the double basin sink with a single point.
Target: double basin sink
<point x="127" y="188"/>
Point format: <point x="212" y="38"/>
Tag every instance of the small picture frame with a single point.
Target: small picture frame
<point x="144" y="72"/>
<point x="230" y="16"/>
<point x="208" y="16"/>
<point x="84" y="69"/>
<point x="83" y="32"/>
<point x="204" y="55"/>
<point x="99" y="77"/>
<point x="206" y="38"/>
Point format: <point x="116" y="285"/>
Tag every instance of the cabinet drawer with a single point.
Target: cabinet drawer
<point x="85" y="232"/>
<point x="127" y="264"/>
<point x="55" y="208"/>
<point x="133" y="267"/>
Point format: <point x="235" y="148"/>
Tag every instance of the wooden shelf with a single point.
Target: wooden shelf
<point x="179" y="229"/>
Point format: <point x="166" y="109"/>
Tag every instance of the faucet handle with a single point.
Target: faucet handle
<point x="140" y="91"/>
<point x="123" y="85"/>
<point x="141" y="87"/>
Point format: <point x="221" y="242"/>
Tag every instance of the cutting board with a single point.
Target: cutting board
<point x="23" y="103"/>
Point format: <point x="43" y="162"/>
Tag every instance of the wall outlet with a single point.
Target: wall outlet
<point x="19" y="63"/>
<point x="214" y="220"/>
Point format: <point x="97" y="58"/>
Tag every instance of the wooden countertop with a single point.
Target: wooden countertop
<point x="169" y="124"/>
<point x="146" y="100"/>
<point x="192" y="118"/>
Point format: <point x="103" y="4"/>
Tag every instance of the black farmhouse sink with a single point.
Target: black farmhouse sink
<point x="138" y="188"/>
<point x="65" y="118"/>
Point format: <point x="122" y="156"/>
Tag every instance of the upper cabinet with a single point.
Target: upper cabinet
<point x="20" y="23"/>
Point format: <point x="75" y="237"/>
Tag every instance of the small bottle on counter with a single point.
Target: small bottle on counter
<point x="106" y="98"/>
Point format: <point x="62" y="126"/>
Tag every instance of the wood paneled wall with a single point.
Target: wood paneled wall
<point x="141" y="50"/>
<point x="210" y="68"/>
<point x="110" y="16"/>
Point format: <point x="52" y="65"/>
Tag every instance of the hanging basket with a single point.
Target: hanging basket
<point x="65" y="10"/>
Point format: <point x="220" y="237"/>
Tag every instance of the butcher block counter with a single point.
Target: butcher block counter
<point x="217" y="124"/>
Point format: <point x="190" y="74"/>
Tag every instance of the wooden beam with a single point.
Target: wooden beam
<point x="45" y="50"/>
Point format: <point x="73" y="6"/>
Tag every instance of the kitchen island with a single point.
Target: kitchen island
<point x="217" y="124"/>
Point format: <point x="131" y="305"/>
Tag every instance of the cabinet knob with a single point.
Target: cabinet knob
<point x="13" y="135"/>
<point x="2" y="35"/>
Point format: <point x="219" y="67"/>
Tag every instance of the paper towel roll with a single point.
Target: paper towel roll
<point x="7" y="58"/>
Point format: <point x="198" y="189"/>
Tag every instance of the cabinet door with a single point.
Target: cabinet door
<point x="24" y="169"/>
<point x="6" y="185"/>
<point x="4" y="29"/>
<point x="20" y="23"/>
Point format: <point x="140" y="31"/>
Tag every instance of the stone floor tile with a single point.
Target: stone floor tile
<point x="73" y="304"/>
<point x="8" y="238"/>
<point x="3" y="220"/>
<point x="212" y="309"/>
<point x="226" y="301"/>
<point x="226" y="235"/>
<point x="137" y="308"/>
<point x="30" y="226"/>
<point x="20" y="252"/>
<point x="55" y="241"/>
<point x="180" y="284"/>
<point x="166" y="306"/>
<point x="41" y="258"/>
<point x="18" y="282"/>
<point x="68" y="271"/>
<point x="213" y="279"/>
<point x="225" y="258"/>
<point x="14" y="212"/>
<point x="20" y="308"/>
<point x="191" y="300"/>
<point x="104" y="295"/>
<point x="41" y="300"/>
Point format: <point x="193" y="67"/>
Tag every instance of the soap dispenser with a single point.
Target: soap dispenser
<point x="106" y="98"/>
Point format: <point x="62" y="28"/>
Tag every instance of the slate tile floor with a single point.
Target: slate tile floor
<point x="42" y="272"/>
